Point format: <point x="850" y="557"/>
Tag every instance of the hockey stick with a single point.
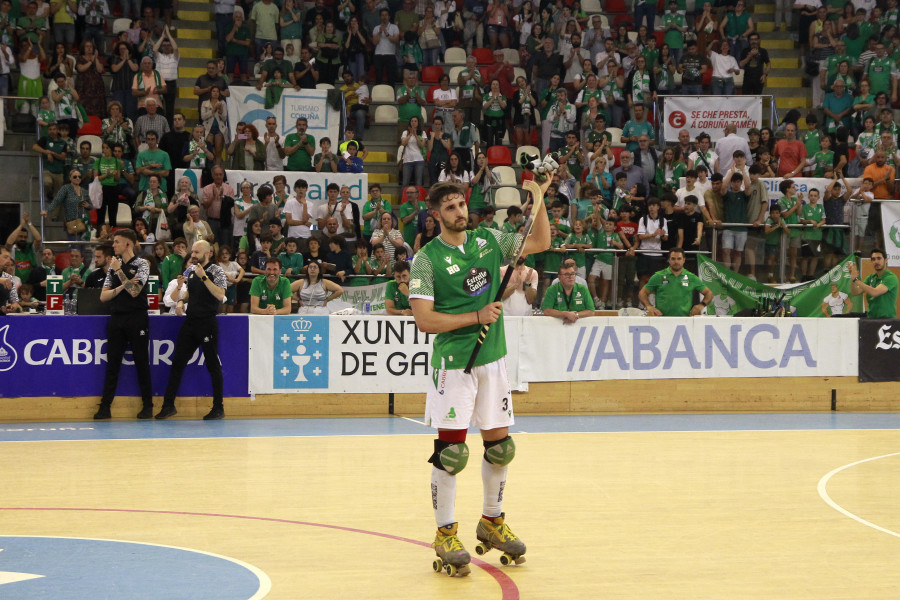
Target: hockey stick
<point x="537" y="195"/>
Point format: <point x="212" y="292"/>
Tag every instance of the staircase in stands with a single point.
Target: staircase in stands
<point x="785" y="80"/>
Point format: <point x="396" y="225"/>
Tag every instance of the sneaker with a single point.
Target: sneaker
<point x="166" y="412"/>
<point x="146" y="413"/>
<point x="751" y="277"/>
<point x="215" y="414"/>
<point x="448" y="546"/>
<point x="102" y="413"/>
<point x="597" y="302"/>
<point x="495" y="533"/>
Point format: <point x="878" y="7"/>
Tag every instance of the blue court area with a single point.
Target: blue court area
<point x="265" y="428"/>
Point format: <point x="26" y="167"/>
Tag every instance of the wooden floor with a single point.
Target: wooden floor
<point x="630" y="515"/>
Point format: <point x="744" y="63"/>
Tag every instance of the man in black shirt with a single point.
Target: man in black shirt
<point x="208" y="81"/>
<point x="124" y="289"/>
<point x="755" y="62"/>
<point x="206" y="285"/>
<point x="172" y="143"/>
<point x="689" y="224"/>
<point x="97" y="278"/>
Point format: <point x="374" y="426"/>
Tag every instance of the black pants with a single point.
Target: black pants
<point x="124" y="329"/>
<point x="204" y="333"/>
<point x="386" y="65"/>
<point x="110" y="206"/>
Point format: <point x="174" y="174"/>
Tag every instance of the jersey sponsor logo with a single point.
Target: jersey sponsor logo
<point x="449" y="260"/>
<point x="481" y="242"/>
<point x="300" y="352"/>
<point x="415" y="284"/>
<point x="477" y="282"/>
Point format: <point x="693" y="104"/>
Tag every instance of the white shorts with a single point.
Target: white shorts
<point x="481" y="399"/>
<point x="734" y="240"/>
<point x="602" y="270"/>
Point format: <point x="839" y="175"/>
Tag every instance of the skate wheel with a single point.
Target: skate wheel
<point x="463" y="571"/>
<point x="520" y="560"/>
<point x="451" y="570"/>
<point x="437" y="565"/>
<point x="481" y="549"/>
<point x="505" y="560"/>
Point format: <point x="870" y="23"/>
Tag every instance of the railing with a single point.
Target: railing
<point x="37" y="132"/>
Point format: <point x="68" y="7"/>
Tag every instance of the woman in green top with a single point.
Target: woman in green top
<point x="481" y="181"/>
<point x="669" y="171"/>
<point x="109" y="171"/>
<point x="150" y="203"/>
<point x="237" y="47"/>
<point x="250" y="242"/>
<point x="328" y="60"/>
<point x="291" y="25"/>
<point x="494" y="115"/>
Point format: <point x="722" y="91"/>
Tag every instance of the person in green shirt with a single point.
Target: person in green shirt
<point x="674" y="288"/>
<point x="580" y="241"/>
<point x="75" y="274"/>
<point x="271" y="293"/>
<point x="811" y="214"/>
<point x="409" y="212"/>
<point x="300" y="148"/>
<point x="410" y="100"/>
<point x="291" y="259"/>
<point x="554" y="254"/>
<point x="879" y="287"/>
<point x="566" y="299"/>
<point x="170" y="268"/>
<point x="823" y="161"/>
<point x="600" y="276"/>
<point x="791" y="203"/>
<point x="372" y="210"/>
<point x="153" y="161"/>
<point x="396" y="292"/>
<point x="879" y="70"/>
<point x="487" y="218"/>
<point x="24" y="255"/>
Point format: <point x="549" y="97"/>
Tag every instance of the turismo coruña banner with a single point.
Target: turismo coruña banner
<point x="248" y="104"/>
<point x="890" y="223"/>
<point x="710" y="114"/>
<point x="733" y="293"/>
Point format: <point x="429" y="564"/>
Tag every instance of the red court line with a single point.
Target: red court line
<point x="507" y="585"/>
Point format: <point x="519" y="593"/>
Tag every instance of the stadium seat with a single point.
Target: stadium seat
<point x="432" y="74"/>
<point x="455" y="56"/>
<point x="519" y="72"/>
<point x="383" y="94"/>
<point x="626" y="20"/>
<point x="142" y="146"/>
<point x="660" y="38"/>
<point x="591" y="6"/>
<point x="499" y="156"/>
<point x="63" y="260"/>
<point x="604" y="22"/>
<point x="124" y="217"/>
<point x="616" y="134"/>
<point x="95" y="142"/>
<point x="529" y="150"/>
<point x="500" y="216"/>
<point x="615" y="6"/>
<point x="505" y="197"/>
<point x="616" y="152"/>
<point x="324" y="86"/>
<point x="429" y="95"/>
<point x="483" y="56"/>
<point x="386" y="114"/>
<point x="454" y="74"/>
<point x="94" y="126"/>
<point x="511" y="56"/>
<point x="707" y="78"/>
<point x="739" y="80"/>
<point x="120" y="25"/>
<point x="422" y="194"/>
<point x="505" y="175"/>
<point x="632" y="36"/>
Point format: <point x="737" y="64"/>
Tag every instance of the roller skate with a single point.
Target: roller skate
<point x="494" y="533"/>
<point x="452" y="558"/>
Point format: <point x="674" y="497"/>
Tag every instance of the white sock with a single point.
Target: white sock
<point x="443" y="496"/>
<point x="494" y="479"/>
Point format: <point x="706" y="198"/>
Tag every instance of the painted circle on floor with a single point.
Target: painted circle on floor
<point x="63" y="568"/>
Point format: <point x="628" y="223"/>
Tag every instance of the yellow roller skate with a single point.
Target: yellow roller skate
<point x="494" y="533"/>
<point x="452" y="558"/>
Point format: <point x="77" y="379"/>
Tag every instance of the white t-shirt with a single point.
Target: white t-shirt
<point x="516" y="305"/>
<point x="682" y="193"/>
<point x="295" y="209"/>
<point x="646" y="226"/>
<point x="722" y="305"/>
<point x="323" y="212"/>
<point x="385" y="46"/>
<point x="449" y="94"/>
<point x="411" y="152"/>
<point x="836" y="304"/>
<point x="240" y="225"/>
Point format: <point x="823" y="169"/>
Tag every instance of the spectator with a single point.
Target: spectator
<point x="326" y="159"/>
<point x="117" y="128"/>
<point x="470" y="82"/>
<point x="66" y="99"/>
<point x="566" y="299"/>
<point x="387" y="236"/>
<point x="674" y="289"/>
<point x="724" y="67"/>
<point x="634" y="176"/>
<point x="149" y="205"/>
<point x="880" y="287"/>
<point x="474" y="12"/>
<point x="53" y="150"/>
<point x="291" y="24"/>
<point x="736" y="27"/>
<point x="328" y="59"/>
<point x="385" y="36"/>
<point x="736" y="203"/>
<point x="246" y="151"/>
<point x="495" y="106"/>
<point x="74" y="199"/>
<point x="561" y="117"/>
<point x="297" y="214"/>
<point x="547" y="63"/>
<point x="410" y="100"/>
<point x="755" y="63"/>
<point x="305" y="74"/>
<point x="109" y="170"/>
<point x="351" y="163"/>
<point x="150" y="120"/>
<point x="123" y="68"/>
<point x="238" y="39"/>
<point x="214" y="114"/>
<point x="274" y="151"/>
<point x="790" y="152"/>
<point x="837" y="107"/>
<point x="692" y="67"/>
<point x="356" y="97"/>
<point x="299" y="148"/>
<point x="148" y="85"/>
<point x="704" y="156"/>
<point x="271" y="294"/>
<point x="9" y="297"/>
<point x="30" y="84"/>
<point x="396" y="292"/>
<point x="314" y="292"/>
<point x="196" y="229"/>
<point x="153" y="161"/>
<point x="24" y="255"/>
<point x="196" y="152"/>
<point x="430" y="37"/>
<point x="413" y="142"/>
<point x="669" y="171"/>
<point x="264" y="21"/>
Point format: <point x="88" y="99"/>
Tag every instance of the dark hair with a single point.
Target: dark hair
<point x="785" y="185"/>
<point x="264" y="191"/>
<point x="333" y="186"/>
<point x="716" y="177"/>
<point x="266" y="237"/>
<point x="273" y="260"/>
<point x="153" y="133"/>
<point x="674" y="250"/>
<point x="301" y="183"/>
<point x="691" y="199"/>
<point x="878" y="251"/>
<point x="128" y="234"/>
<point x="104" y="249"/>
<point x="691" y="173"/>
<point x="275" y="221"/>
<point x="401" y="265"/>
<point x="441" y="191"/>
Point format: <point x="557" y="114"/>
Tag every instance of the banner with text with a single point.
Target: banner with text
<point x="803" y="184"/>
<point x="601" y="348"/>
<point x="248" y="104"/>
<point x="318" y="182"/>
<point x="367" y="299"/>
<point x="66" y="356"/>
<point x="347" y="354"/>
<point x="710" y="114"/>
<point x="890" y="223"/>
<point x="879" y="350"/>
<point x="733" y="293"/>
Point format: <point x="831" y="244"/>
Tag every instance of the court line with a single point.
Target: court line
<point x="823" y="493"/>
<point x="507" y="586"/>
<point x="265" y="584"/>
<point x="414" y="421"/>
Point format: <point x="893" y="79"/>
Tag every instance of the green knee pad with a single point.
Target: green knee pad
<point x="450" y="457"/>
<point x="500" y="452"/>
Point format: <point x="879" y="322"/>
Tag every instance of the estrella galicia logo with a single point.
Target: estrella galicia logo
<point x="8" y="354"/>
<point x="301" y="352"/>
<point x="477" y="282"/>
<point x="57" y="568"/>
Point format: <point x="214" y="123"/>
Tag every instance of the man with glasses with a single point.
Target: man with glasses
<point x="566" y="299"/>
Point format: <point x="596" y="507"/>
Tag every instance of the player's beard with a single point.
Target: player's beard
<point x="453" y="226"/>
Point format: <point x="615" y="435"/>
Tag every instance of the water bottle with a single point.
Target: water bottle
<point x="67" y="305"/>
<point x="366" y="307"/>
<point x="74" y="304"/>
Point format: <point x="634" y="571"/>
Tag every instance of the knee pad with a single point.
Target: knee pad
<point x="500" y="452"/>
<point x="450" y="456"/>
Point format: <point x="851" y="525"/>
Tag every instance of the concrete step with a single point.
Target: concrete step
<point x="193" y="16"/>
<point x="778" y="44"/>
<point x="784" y="82"/>
<point x="199" y="53"/>
<point x="194" y="33"/>
<point x="764" y="9"/>
<point x="785" y="63"/>
<point x="765" y="26"/>
<point x="184" y="5"/>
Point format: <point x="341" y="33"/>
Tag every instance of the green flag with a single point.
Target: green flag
<point x="733" y="292"/>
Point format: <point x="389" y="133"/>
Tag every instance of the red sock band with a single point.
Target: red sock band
<point x="454" y="436"/>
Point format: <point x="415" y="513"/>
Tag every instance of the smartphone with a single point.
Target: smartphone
<point x="243" y="136"/>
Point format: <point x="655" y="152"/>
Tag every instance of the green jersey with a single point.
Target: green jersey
<point x="553" y="259"/>
<point x="603" y="241"/>
<point x="276" y="296"/>
<point x="674" y="293"/>
<point x="410" y="108"/>
<point x="812" y="141"/>
<point x="294" y="262"/>
<point x="578" y="257"/>
<point x="462" y="280"/>
<point x="885" y="305"/>
<point x="409" y="229"/>
<point x="824" y="162"/>
<point x="392" y="292"/>
<point x="556" y="298"/>
<point x="812" y="213"/>
<point x="25" y="261"/>
<point x="509" y="227"/>
<point x="371" y="224"/>
<point x="486" y="225"/>
<point x="879" y="72"/>
<point x="299" y="160"/>
<point x="786" y="204"/>
<point x="773" y="237"/>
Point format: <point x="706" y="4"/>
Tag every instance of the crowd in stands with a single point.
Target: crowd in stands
<point x="470" y="80"/>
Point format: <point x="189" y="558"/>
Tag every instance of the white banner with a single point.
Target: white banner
<point x="347" y="354"/>
<point x="601" y="348"/>
<point x="248" y="104"/>
<point x="710" y="114"/>
<point x="318" y="182"/>
<point x="367" y="299"/>
<point x="890" y="223"/>
<point x="804" y="184"/>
